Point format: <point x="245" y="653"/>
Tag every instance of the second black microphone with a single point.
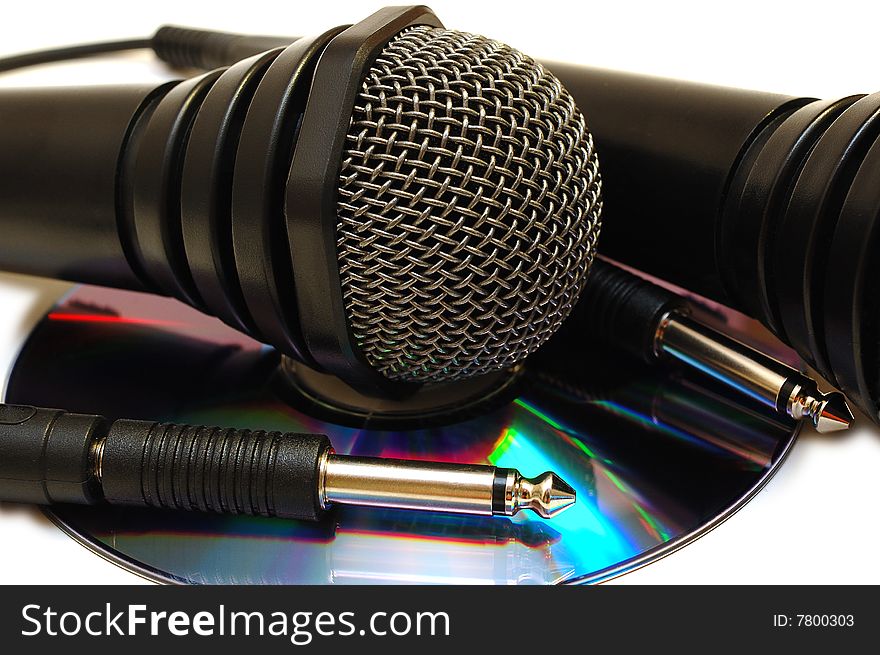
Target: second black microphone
<point x="765" y="202"/>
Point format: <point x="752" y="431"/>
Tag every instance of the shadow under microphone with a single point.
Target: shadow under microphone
<point x="392" y="203"/>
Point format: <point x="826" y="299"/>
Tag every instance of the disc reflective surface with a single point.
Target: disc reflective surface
<point x="657" y="456"/>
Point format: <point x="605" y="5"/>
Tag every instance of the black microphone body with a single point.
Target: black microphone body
<point x="764" y="202"/>
<point x="61" y="153"/>
<point x="761" y="201"/>
<point x="390" y="238"/>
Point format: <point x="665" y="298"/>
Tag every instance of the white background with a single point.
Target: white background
<point x="817" y="521"/>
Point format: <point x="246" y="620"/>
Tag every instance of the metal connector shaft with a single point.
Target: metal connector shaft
<point x="440" y="487"/>
<point x="763" y="378"/>
<point x="51" y="456"/>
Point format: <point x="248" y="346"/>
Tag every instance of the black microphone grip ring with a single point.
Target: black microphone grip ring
<point x="202" y="185"/>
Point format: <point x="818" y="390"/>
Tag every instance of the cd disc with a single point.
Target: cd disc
<point x="657" y="456"/>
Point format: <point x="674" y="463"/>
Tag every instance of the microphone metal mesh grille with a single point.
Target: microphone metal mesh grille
<point x="468" y="207"/>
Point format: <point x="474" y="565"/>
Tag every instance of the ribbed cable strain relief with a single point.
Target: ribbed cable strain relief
<point x="621" y="309"/>
<point x="211" y="469"/>
<point x="185" y="47"/>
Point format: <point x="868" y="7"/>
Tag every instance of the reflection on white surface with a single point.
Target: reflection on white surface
<point x="33" y="551"/>
<point x="23" y="302"/>
<point x="812" y="524"/>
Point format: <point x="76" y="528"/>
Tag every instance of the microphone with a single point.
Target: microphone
<point x="766" y="203"/>
<point x="392" y="203"/>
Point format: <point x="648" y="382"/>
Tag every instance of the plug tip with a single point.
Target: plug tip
<point x="546" y="495"/>
<point x="832" y="414"/>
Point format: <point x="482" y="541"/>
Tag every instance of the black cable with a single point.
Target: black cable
<point x="181" y="47"/>
<point x="54" y="55"/>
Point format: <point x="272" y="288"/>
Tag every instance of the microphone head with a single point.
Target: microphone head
<point x="468" y="207"/>
<point x="389" y="203"/>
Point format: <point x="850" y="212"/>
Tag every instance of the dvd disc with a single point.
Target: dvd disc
<point x="657" y="456"/>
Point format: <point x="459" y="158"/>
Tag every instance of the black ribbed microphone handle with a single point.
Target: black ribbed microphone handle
<point x="175" y="189"/>
<point x="91" y="177"/>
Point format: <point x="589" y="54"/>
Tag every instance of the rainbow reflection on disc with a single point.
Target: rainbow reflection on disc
<point x="656" y="456"/>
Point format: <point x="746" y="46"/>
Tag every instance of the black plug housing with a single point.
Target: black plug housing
<point x="47" y="455"/>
